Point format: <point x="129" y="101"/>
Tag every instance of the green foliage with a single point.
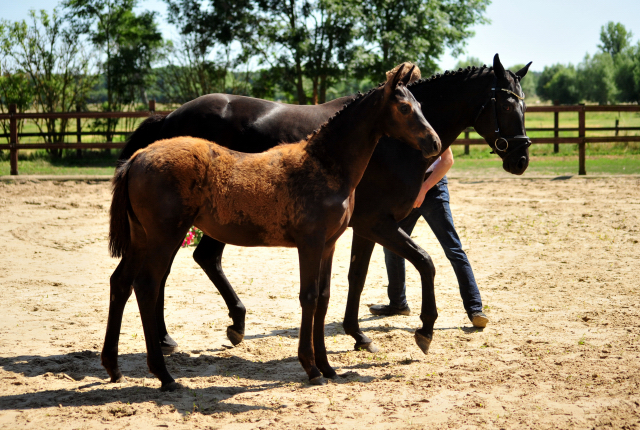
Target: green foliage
<point x="614" y="37"/>
<point x="627" y="74"/>
<point x="558" y="83"/>
<point x="419" y="30"/>
<point x="595" y="78"/>
<point x="469" y="61"/>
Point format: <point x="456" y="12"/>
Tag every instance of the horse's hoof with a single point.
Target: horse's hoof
<point x="167" y="349"/>
<point x="234" y="336"/>
<point x="423" y="342"/>
<point x="168" y="345"/>
<point x="171" y="386"/>
<point x="371" y="347"/>
<point x="318" y="380"/>
<point x="330" y="375"/>
<point x="118" y="379"/>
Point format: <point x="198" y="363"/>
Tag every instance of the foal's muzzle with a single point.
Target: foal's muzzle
<point x="430" y="145"/>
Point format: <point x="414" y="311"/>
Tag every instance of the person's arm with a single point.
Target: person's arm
<point x="446" y="161"/>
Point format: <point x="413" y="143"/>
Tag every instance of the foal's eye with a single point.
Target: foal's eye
<point x="405" y="109"/>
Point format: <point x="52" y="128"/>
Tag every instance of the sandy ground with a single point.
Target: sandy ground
<point x="556" y="260"/>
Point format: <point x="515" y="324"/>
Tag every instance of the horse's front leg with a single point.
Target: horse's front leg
<point x="208" y="255"/>
<point x="392" y="237"/>
<point x="361" y="250"/>
<point x="310" y="254"/>
<point x="324" y="290"/>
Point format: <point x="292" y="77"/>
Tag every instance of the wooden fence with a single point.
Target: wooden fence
<point x="581" y="140"/>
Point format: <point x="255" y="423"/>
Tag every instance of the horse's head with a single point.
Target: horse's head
<point x="402" y="118"/>
<point x="501" y="119"/>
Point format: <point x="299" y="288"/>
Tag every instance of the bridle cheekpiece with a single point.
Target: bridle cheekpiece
<point x="502" y="142"/>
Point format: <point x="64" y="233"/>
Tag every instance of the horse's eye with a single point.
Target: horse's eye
<point x="405" y="109"/>
<point x="506" y="107"/>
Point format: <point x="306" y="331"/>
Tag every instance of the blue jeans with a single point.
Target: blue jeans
<point x="435" y="210"/>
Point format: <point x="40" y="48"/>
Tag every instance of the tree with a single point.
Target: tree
<point x="614" y="38"/>
<point x="58" y="70"/>
<point x="129" y="43"/>
<point x="469" y="61"/>
<point x="305" y="40"/>
<point x="417" y="29"/>
<point x="558" y="83"/>
<point x="595" y="80"/>
<point x="627" y="74"/>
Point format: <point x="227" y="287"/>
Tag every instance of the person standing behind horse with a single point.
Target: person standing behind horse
<point x="433" y="204"/>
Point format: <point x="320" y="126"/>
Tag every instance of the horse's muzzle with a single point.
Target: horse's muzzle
<point x="430" y="145"/>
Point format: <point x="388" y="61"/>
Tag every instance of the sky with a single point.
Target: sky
<point x="543" y="31"/>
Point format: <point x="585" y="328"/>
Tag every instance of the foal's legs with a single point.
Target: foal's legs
<point x="310" y="254"/>
<point x="121" y="287"/>
<point x="324" y="284"/>
<point x="208" y="255"/>
<point x="147" y="287"/>
<point x="392" y="237"/>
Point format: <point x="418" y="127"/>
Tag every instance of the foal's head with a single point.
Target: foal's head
<point x="403" y="119"/>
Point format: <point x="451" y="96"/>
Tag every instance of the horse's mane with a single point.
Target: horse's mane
<point x="466" y="72"/>
<point x="358" y="96"/>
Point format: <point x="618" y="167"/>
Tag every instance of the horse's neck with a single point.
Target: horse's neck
<point x="452" y="103"/>
<point x="345" y="144"/>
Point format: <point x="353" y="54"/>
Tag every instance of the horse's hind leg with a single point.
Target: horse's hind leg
<point x="361" y="250"/>
<point x="208" y="255"/>
<point x="324" y="293"/>
<point x="167" y="343"/>
<point x="392" y="237"/>
<point x="120" y="291"/>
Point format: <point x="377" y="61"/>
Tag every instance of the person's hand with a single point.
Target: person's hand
<point x="419" y="199"/>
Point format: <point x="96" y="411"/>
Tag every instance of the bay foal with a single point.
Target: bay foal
<point x="297" y="195"/>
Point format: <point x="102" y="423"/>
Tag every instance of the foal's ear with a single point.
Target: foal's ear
<point x="498" y="68"/>
<point x="407" y="77"/>
<point x="522" y="72"/>
<point x="394" y="78"/>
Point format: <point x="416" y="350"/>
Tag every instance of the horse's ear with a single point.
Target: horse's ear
<point x="522" y="72"/>
<point x="498" y="68"/>
<point x="407" y="77"/>
<point x="394" y="78"/>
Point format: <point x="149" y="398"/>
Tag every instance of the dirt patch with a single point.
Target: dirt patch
<point x="557" y="265"/>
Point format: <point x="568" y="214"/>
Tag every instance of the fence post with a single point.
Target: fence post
<point x="13" y="139"/>
<point x="617" y="124"/>
<point x="78" y="132"/>
<point x="152" y="107"/>
<point x="581" y="146"/>
<point x="466" y="146"/>
<point x="556" y="114"/>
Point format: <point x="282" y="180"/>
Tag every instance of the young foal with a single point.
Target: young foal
<point x="297" y="195"/>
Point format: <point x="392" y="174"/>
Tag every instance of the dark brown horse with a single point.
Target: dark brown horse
<point x="298" y="195"/>
<point x="482" y="98"/>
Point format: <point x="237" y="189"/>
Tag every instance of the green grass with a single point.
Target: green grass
<point x="38" y="162"/>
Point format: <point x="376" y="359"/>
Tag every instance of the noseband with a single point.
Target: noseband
<point x="502" y="142"/>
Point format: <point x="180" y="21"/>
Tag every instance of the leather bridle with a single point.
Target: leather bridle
<point x="502" y="142"/>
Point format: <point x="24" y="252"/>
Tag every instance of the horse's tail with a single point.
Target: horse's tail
<point x="146" y="133"/>
<point x="119" y="228"/>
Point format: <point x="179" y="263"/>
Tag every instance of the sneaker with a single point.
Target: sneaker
<point x="479" y="319"/>
<point x="388" y="310"/>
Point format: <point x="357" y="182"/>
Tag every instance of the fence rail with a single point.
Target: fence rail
<point x="581" y="140"/>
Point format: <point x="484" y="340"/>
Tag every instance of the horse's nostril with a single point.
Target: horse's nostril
<point x="522" y="162"/>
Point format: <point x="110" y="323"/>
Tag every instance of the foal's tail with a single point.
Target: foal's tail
<point x="146" y="133"/>
<point x="119" y="228"/>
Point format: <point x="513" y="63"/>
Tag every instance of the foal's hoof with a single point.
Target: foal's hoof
<point x="171" y="386"/>
<point x="318" y="380"/>
<point x="234" y="336"/>
<point x="423" y="342"/>
<point x="118" y="379"/>
<point x="371" y="347"/>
